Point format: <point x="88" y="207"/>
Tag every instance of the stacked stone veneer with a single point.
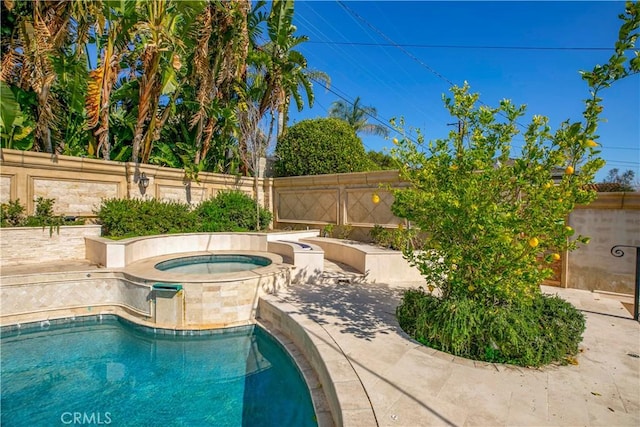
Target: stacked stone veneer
<point x="35" y="245"/>
<point x="125" y="286"/>
<point x="31" y="297"/>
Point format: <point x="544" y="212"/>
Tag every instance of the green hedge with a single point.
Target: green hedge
<point x="227" y="211"/>
<point x="12" y="214"/>
<point x="230" y="211"/>
<point x="122" y="218"/>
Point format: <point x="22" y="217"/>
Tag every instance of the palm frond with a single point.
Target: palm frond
<point x="94" y="96"/>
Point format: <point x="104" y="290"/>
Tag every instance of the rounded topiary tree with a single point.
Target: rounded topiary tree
<point x="319" y="146"/>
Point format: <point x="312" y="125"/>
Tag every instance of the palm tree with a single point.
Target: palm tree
<point x="285" y="69"/>
<point x="42" y="29"/>
<point x="357" y="115"/>
<point x="113" y="34"/>
<point x="219" y="63"/>
<point x="160" y="31"/>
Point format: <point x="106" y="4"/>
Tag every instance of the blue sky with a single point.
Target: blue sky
<point x="409" y="82"/>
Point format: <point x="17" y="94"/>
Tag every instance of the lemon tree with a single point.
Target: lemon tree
<point x="492" y="217"/>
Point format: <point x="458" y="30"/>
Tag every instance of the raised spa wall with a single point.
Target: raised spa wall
<point x="197" y="301"/>
<point x="118" y="277"/>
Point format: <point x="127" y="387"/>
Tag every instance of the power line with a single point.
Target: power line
<point x="450" y="46"/>
<point x="412" y="56"/>
<point x="341" y="52"/>
<point x="394" y="44"/>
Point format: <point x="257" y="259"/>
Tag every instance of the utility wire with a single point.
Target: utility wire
<point x="450" y="46"/>
<point x="409" y="54"/>
<point x="392" y="43"/>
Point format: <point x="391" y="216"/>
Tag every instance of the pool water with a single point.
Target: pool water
<point x="208" y="264"/>
<point x="113" y="373"/>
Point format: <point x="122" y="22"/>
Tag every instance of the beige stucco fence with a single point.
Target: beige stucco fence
<point x="78" y="185"/>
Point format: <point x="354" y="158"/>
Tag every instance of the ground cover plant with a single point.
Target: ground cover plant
<point x="227" y="211"/>
<point x="12" y="214"/>
<point x="490" y="219"/>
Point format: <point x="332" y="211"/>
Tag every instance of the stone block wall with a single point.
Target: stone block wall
<point x="78" y="185"/>
<point x="344" y="200"/>
<point x="34" y="245"/>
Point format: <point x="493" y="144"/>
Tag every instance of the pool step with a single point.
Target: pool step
<point x="336" y="272"/>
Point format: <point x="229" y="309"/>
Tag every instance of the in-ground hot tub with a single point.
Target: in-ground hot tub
<point x="213" y="263"/>
<point x="211" y="299"/>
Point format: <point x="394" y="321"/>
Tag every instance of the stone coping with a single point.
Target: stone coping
<point x="376" y="263"/>
<point x="307" y="259"/>
<point x="145" y="269"/>
<point x="348" y="401"/>
<point x="120" y="253"/>
<point x="316" y="389"/>
<point x="293" y="235"/>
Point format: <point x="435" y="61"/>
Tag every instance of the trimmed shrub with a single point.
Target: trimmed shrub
<point x="320" y="146"/>
<point x="546" y="330"/>
<point x="230" y="211"/>
<point x="122" y="218"/>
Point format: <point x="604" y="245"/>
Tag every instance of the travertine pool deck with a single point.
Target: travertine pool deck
<point x="411" y="385"/>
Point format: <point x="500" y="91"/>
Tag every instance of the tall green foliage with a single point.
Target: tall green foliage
<point x="493" y="222"/>
<point x="320" y="146"/>
<point x="231" y="211"/>
<point x="160" y="64"/>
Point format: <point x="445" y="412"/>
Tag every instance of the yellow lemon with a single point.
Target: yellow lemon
<point x="556" y="257"/>
<point x="395" y="141"/>
<point x="569" y="170"/>
<point x="375" y="198"/>
<point x="547" y="185"/>
<point x="533" y="242"/>
<point x="591" y="143"/>
<point x="471" y="288"/>
<point x="569" y="230"/>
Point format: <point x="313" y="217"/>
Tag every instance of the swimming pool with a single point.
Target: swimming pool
<point x="213" y="264"/>
<point x="110" y="372"/>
